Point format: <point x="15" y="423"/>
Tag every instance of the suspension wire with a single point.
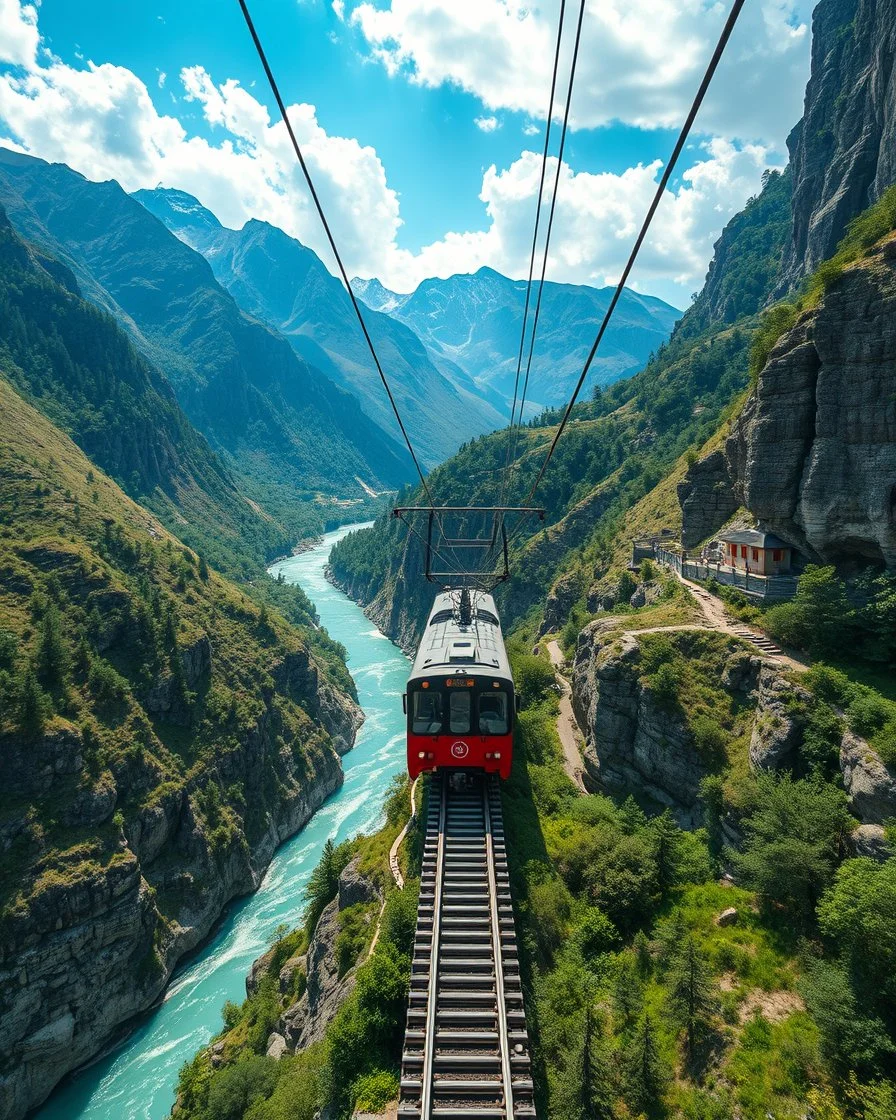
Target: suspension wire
<point x="320" y="212"/>
<point x="547" y="243"/>
<point x="667" y="174"/>
<point x="544" y="163"/>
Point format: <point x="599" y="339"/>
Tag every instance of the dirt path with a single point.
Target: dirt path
<point x="567" y="728"/>
<point x="717" y="618"/>
<point x="394" y="866"/>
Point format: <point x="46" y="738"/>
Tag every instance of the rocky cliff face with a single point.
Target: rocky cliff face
<point x="813" y="454"/>
<point x="91" y="950"/>
<point x="632" y="741"/>
<point x="306" y="1021"/>
<point x="843" y="151"/>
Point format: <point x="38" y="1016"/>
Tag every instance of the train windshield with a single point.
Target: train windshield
<point x="493" y="711"/>
<point x="427" y="714"/>
<point x="459" y="707"/>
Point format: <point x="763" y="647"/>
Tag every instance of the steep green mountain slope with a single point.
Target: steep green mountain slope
<point x="474" y="322"/>
<point x="619" y="446"/>
<point x="160" y="734"/>
<point x="284" y="428"/>
<point x="73" y="362"/>
<point x="279" y="280"/>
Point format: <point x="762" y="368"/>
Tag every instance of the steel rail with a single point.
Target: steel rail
<point x="432" y="1008"/>
<point x="497" y="954"/>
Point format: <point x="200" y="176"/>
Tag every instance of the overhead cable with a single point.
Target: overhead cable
<point x="544" y="163"/>
<point x="667" y="174"/>
<point x="323" y="218"/>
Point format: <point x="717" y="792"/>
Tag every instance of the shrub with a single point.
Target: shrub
<point x="239" y="1086"/>
<point x="664" y="686"/>
<point x="794" y="837"/>
<point x="884" y="742"/>
<point x="867" y="714"/>
<point x="596" y="933"/>
<point x="374" y="1091"/>
<point x="533" y="677"/>
<point x="709" y="738"/>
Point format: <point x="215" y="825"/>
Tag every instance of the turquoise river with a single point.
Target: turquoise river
<point x="137" y="1081"/>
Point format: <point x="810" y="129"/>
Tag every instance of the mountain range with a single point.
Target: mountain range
<point x="277" y="279"/>
<point x="284" y="429"/>
<point x="473" y="322"/>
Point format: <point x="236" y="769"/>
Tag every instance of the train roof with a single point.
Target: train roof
<point x="477" y="649"/>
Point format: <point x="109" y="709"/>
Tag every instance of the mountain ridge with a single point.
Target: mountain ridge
<point x="282" y="282"/>
<point x="261" y="406"/>
<point x="473" y="320"/>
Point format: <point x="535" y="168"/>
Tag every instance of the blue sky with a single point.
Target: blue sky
<point x="393" y="91"/>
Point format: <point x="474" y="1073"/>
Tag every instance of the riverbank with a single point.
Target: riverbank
<point x="138" y="1079"/>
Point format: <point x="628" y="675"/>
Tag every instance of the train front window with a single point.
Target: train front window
<point x="493" y="709"/>
<point x="427" y="713"/>
<point x="459" y="705"/>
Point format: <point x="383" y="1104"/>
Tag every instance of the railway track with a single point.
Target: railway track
<point x="466" y="1051"/>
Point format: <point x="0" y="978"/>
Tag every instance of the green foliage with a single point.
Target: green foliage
<point x="533" y="678"/>
<point x="324" y="881"/>
<point x="239" y="1086"/>
<point x="774" y="323"/>
<point x="692" y="1000"/>
<point x="794" y="839"/>
<point x="373" y="1091"/>
<point x="645" y="1071"/>
<point x="852" y="1039"/>
<point x="858" y="914"/>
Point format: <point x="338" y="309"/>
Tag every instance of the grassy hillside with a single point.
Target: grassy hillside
<point x="134" y="669"/>
<point x="72" y="361"/>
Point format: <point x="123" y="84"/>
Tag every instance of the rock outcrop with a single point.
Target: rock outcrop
<point x="96" y="946"/>
<point x="870" y="785"/>
<point x="843" y="151"/>
<point x="778" y="725"/>
<point x="306" y="1021"/>
<point x="632" y="742"/>
<point x="813" y="453"/>
<point x="706" y="497"/>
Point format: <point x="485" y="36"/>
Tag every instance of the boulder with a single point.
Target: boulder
<point x="355" y="887"/>
<point x="727" y="917"/>
<point x="778" y="724"/>
<point x="871" y="787"/>
<point x="870" y="840"/>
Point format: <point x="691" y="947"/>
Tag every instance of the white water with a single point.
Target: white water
<point x="138" y="1080"/>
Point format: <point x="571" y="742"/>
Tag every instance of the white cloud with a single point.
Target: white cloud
<point x="101" y="119"/>
<point x="19" y="36"/>
<point x="597" y="218"/>
<point x="487" y="124"/>
<point x="161" y="78"/>
<point x="531" y="129"/>
<point x="645" y="58"/>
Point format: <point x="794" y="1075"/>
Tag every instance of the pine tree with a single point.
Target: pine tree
<point x="645" y="1076"/>
<point x="666" y="837"/>
<point x="203" y="569"/>
<point x="641" y="945"/>
<point x="628" y="994"/>
<point x="52" y="655"/>
<point x="692" y="1000"/>
<point x="34" y="707"/>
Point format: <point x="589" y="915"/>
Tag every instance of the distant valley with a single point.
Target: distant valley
<point x="474" y="322"/>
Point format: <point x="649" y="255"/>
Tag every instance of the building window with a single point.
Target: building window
<point x="776" y="555"/>
<point x="743" y="552"/>
<point x="755" y="552"/>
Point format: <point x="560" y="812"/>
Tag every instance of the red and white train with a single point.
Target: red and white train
<point x="460" y="701"/>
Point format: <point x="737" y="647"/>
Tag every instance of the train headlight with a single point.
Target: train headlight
<point x="422" y="754"/>
<point x="497" y="754"/>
